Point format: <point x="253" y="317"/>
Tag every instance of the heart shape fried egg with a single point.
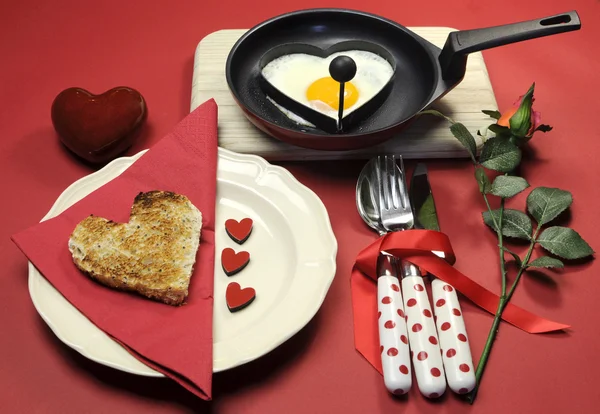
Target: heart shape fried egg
<point x="305" y="80"/>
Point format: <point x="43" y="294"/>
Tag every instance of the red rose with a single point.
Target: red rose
<point x="535" y="119"/>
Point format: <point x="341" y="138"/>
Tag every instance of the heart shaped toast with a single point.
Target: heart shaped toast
<point x="152" y="255"/>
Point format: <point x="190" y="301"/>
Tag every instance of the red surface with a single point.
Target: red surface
<point x="49" y="46"/>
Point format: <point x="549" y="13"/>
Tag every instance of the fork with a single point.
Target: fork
<point x="395" y="211"/>
<point x="396" y="214"/>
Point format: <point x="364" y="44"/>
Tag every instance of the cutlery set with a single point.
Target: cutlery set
<point x="431" y="335"/>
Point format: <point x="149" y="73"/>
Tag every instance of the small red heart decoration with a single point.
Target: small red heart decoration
<point x="98" y="128"/>
<point x="239" y="231"/>
<point x="233" y="262"/>
<point x="238" y="298"/>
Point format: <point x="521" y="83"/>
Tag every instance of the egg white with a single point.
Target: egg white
<point x="296" y="118"/>
<point x="292" y="75"/>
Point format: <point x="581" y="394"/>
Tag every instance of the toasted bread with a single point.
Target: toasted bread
<point x="153" y="254"/>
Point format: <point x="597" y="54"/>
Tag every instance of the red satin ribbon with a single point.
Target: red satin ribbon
<point x="416" y="246"/>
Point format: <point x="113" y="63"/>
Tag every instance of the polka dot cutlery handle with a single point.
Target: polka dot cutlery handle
<point x="395" y="355"/>
<point x="422" y="335"/>
<point x="453" y="337"/>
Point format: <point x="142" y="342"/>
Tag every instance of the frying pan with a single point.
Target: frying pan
<point x="423" y="74"/>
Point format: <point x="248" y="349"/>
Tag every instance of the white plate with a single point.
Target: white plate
<point x="292" y="247"/>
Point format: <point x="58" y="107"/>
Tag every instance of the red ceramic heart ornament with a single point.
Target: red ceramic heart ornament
<point x="239" y="231"/>
<point x="233" y="262"/>
<point x="98" y="128"/>
<point x="238" y="298"/>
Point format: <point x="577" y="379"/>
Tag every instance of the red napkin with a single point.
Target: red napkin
<point x="416" y="246"/>
<point x="176" y="341"/>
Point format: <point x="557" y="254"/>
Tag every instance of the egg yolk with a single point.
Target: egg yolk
<point x="327" y="90"/>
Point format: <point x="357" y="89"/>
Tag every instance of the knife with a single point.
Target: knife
<point x="450" y="324"/>
<point x="393" y="340"/>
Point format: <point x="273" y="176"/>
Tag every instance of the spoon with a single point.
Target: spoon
<point x="367" y="201"/>
<point x="393" y="339"/>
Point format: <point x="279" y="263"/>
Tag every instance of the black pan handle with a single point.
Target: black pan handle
<point x="453" y="59"/>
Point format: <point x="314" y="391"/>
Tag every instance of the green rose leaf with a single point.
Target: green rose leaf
<point x="436" y="113"/>
<point x="500" y="155"/>
<point x="514" y="223"/>
<point x="546" y="262"/>
<point x="492" y="114"/>
<point x="545" y="204"/>
<point x="427" y="215"/>
<point x="514" y="255"/>
<point x="508" y="186"/>
<point x="482" y="180"/>
<point x="519" y="141"/>
<point x="564" y="242"/>
<point x="499" y="130"/>
<point x="520" y="122"/>
<point x="544" y="128"/>
<point x="462" y="134"/>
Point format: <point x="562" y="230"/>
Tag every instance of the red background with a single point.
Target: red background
<point x="46" y="47"/>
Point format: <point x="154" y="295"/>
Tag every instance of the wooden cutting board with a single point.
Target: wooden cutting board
<point x="427" y="137"/>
